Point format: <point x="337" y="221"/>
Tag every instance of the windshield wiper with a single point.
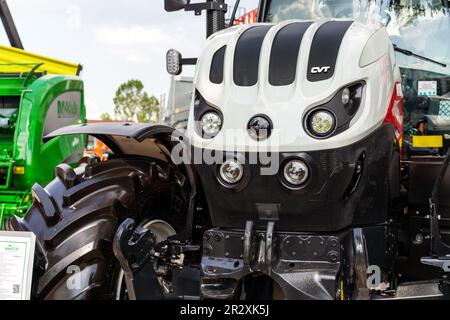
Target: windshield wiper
<point x="410" y="53"/>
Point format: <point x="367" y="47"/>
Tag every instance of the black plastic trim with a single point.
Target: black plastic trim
<point x="217" y="64"/>
<point x="246" y="56"/>
<point x="284" y="55"/>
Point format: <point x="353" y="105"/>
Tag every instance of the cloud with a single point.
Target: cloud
<point x="147" y="44"/>
<point x="133" y="35"/>
<point x="139" y="57"/>
<point x="94" y="110"/>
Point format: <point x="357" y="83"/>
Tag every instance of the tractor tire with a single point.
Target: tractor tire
<point x="75" y="219"/>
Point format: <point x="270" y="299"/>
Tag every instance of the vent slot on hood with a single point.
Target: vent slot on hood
<point x="246" y="56"/>
<point x="284" y="55"/>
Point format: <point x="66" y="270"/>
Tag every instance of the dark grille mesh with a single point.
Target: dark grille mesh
<point x="444" y="110"/>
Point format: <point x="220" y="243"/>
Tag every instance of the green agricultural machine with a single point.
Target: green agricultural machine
<point x="37" y="95"/>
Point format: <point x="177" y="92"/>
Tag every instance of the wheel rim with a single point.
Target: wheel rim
<point x="162" y="230"/>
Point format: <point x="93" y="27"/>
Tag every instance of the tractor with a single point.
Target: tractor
<point x="314" y="166"/>
<point x="38" y="95"/>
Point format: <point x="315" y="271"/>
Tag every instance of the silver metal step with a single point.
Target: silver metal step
<point x="421" y="290"/>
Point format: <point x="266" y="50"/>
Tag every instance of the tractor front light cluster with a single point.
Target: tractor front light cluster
<point x="336" y="115"/>
<point x="211" y="124"/>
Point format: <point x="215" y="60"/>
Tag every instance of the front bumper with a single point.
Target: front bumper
<point x="330" y="200"/>
<point x="304" y="266"/>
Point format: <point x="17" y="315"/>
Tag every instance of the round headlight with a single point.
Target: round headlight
<point x="259" y="128"/>
<point x="211" y="124"/>
<point x="321" y="123"/>
<point x="231" y="171"/>
<point x="296" y="172"/>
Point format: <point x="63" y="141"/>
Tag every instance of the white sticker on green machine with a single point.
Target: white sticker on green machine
<point x="16" y="264"/>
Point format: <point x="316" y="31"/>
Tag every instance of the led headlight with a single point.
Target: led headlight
<point x="259" y="128"/>
<point x="321" y="123"/>
<point x="173" y="62"/>
<point x="296" y="172"/>
<point x="211" y="124"/>
<point x="231" y="171"/>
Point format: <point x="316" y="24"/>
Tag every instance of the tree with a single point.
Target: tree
<point x="105" y="116"/>
<point x="133" y="103"/>
<point x="149" y="107"/>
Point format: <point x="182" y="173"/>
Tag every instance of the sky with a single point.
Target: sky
<point x="114" y="40"/>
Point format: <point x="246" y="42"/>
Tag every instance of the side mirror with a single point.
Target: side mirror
<point x="175" y="5"/>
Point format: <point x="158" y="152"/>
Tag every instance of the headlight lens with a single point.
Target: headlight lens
<point x="231" y="171"/>
<point x="321" y="123"/>
<point x="346" y="96"/>
<point x="259" y="128"/>
<point x="211" y="124"/>
<point x="296" y="172"/>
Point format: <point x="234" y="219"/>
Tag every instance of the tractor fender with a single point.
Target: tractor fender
<point x="76" y="216"/>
